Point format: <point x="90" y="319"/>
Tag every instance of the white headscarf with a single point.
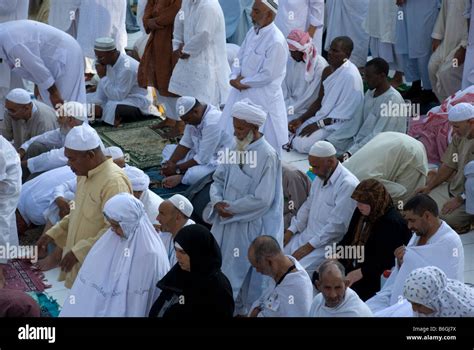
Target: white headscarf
<point x="119" y="275"/>
<point x="139" y="180"/>
<point x="430" y="287"/>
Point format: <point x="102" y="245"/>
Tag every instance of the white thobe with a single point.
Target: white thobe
<point x="451" y="29"/>
<point x="63" y="14"/>
<point x="300" y="14"/>
<point x="262" y="59"/>
<point x="343" y="101"/>
<point x="101" y="18"/>
<point x="351" y="306"/>
<point x="46" y="56"/>
<point x="255" y="197"/>
<point x="38" y="194"/>
<point x="13" y="10"/>
<point x="167" y="239"/>
<point x="443" y="250"/>
<point x="402" y="173"/>
<point x="291" y="298"/>
<point x="344" y="18"/>
<point x="468" y="74"/>
<point x="380" y="24"/>
<point x="48" y="160"/>
<point x="200" y="27"/>
<point x="206" y="142"/>
<point x="324" y="217"/>
<point x="120" y="87"/>
<point x="298" y="93"/>
<point x="469" y="187"/>
<point x="378" y="117"/>
<point x="10" y="186"/>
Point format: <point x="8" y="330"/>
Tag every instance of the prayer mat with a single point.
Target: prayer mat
<point x="48" y="305"/>
<point x="155" y="184"/>
<point x="20" y="275"/>
<point x="141" y="144"/>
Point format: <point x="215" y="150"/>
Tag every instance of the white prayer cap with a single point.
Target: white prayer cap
<point x="461" y="112"/>
<point x="104" y="44"/>
<point x="20" y="96"/>
<point x="114" y="152"/>
<point x="322" y="149"/>
<point x="250" y="112"/>
<point x="82" y="138"/>
<point x="139" y="180"/>
<point x="184" y="105"/>
<point x="182" y="204"/>
<point x="73" y="109"/>
<point x="271" y="4"/>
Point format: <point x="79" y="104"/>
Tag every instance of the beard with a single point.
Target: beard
<point x="241" y="145"/>
<point x="256" y="26"/>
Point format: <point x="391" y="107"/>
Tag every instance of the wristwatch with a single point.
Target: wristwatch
<point x="178" y="171"/>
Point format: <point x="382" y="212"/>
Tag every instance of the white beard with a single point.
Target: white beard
<point x="242" y="145"/>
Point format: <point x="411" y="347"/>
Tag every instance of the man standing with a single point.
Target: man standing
<point x="260" y="72"/>
<point x="197" y="154"/>
<point x="247" y="201"/>
<point x="325" y="216"/>
<point x="10" y="185"/>
<point x="118" y="96"/>
<point x="26" y="118"/>
<point x="46" y="56"/>
<point x="468" y="74"/>
<point x="199" y="42"/>
<point x="99" y="179"/>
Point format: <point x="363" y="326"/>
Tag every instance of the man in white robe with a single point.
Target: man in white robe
<point x="173" y="214"/>
<point x="383" y="108"/>
<point x="46" y="56"/>
<point x="303" y="74"/>
<point x="338" y="105"/>
<point x="434" y="243"/>
<point x="118" y="97"/>
<point x="140" y="183"/>
<point x="336" y="299"/>
<point x="259" y="75"/>
<point x="345" y="18"/>
<point x="12" y="10"/>
<point x="46" y="151"/>
<point x="26" y="118"/>
<point x="64" y="15"/>
<point x="10" y="185"/>
<point x="449" y="41"/>
<point x="402" y="172"/>
<point x="415" y="22"/>
<point x="324" y="217"/>
<point x="247" y="202"/>
<point x="304" y="15"/>
<point x="199" y="41"/>
<point x="111" y="285"/>
<point x="290" y="292"/>
<point x="201" y="147"/>
<point x="468" y="73"/>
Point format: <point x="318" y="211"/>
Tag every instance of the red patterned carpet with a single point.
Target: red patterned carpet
<point x="20" y="275"/>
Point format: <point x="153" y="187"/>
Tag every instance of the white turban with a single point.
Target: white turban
<point x="322" y="149"/>
<point x="20" y="96"/>
<point x="271" y="4"/>
<point x="114" y="152"/>
<point x="461" y="112"/>
<point x="250" y="112"/>
<point x="184" y="105"/>
<point x="82" y="138"/>
<point x="139" y="180"/>
<point x="73" y="109"/>
<point x="182" y="204"/>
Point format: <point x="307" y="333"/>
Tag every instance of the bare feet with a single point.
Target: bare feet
<point x="51" y="261"/>
<point x="172" y="181"/>
<point x="178" y="130"/>
<point x="165" y="123"/>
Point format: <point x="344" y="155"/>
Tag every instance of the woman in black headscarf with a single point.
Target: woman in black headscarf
<point x="195" y="286"/>
<point x="379" y="228"/>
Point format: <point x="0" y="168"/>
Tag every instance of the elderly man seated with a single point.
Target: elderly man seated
<point x="26" y="118"/>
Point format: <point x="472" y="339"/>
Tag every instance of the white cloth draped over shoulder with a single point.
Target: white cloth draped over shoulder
<point x="351" y="306"/>
<point x="119" y="275"/>
<point x="63" y="14"/>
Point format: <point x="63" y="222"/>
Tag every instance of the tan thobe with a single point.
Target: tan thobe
<point x="397" y="160"/>
<point x="459" y="152"/>
<point x="43" y="118"/>
<point x="79" y="230"/>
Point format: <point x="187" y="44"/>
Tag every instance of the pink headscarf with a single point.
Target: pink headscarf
<point x="302" y="42"/>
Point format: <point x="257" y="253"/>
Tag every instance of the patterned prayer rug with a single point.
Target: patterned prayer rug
<point x="20" y="275"/>
<point x="155" y="184"/>
<point x="49" y="306"/>
<point x="141" y="145"/>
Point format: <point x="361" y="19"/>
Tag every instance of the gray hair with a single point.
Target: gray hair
<point x="265" y="247"/>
